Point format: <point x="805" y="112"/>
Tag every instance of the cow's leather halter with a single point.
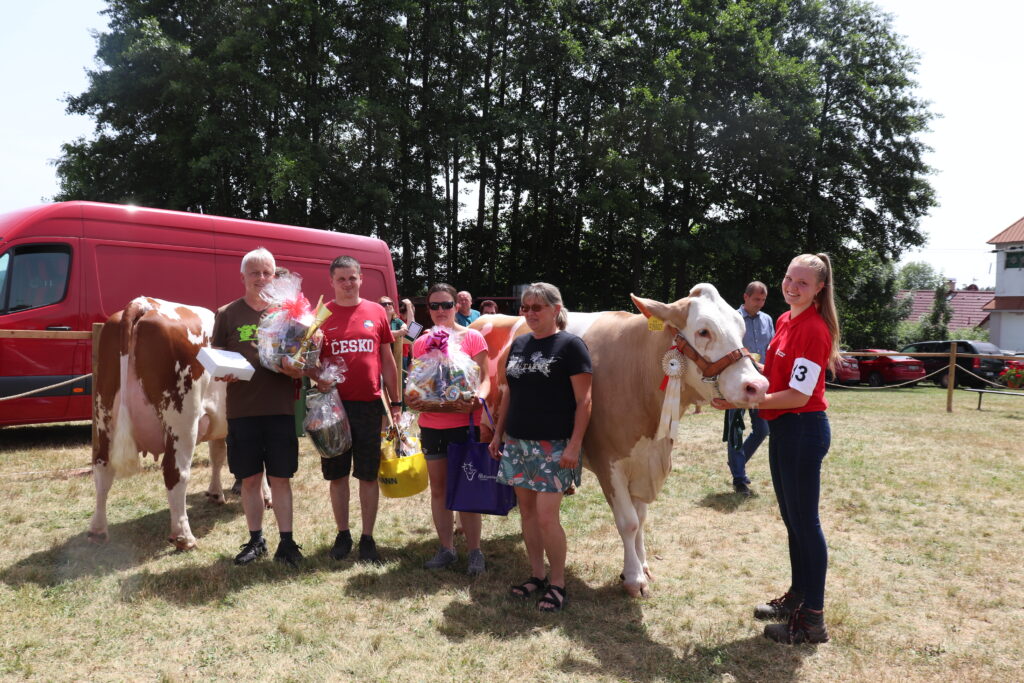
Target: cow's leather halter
<point x="710" y="370"/>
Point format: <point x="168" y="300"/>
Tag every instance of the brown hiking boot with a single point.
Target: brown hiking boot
<point x="779" y="609"/>
<point x="804" y="627"/>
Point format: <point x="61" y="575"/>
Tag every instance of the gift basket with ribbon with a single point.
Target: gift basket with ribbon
<point x="326" y="420"/>
<point x="289" y="327"/>
<point x="443" y="376"/>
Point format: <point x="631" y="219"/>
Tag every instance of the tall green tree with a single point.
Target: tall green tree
<point x="607" y="146"/>
<point x="870" y="312"/>
<point x="919" y="275"/>
<point x="935" y="324"/>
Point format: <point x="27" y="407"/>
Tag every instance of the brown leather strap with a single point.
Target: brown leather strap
<point x="707" y="368"/>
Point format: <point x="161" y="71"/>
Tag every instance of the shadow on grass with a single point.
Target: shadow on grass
<point x="613" y="640"/>
<point x="133" y="542"/>
<point x="725" y="502"/>
<point x="607" y="624"/>
<point x="46" y="437"/>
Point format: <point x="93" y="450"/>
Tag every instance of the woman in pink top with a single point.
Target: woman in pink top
<point x="437" y="430"/>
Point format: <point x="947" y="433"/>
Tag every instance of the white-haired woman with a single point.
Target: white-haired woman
<point x="541" y="423"/>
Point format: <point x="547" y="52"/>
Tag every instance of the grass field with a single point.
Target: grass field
<point x="922" y="511"/>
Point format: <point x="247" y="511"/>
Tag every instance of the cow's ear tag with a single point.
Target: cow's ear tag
<point x="655" y="324"/>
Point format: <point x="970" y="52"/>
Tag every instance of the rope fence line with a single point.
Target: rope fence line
<point x="42" y="389"/>
<point x="892" y="386"/>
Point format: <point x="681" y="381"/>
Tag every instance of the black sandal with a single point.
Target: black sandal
<point x="555" y="598"/>
<point x="527" y="588"/>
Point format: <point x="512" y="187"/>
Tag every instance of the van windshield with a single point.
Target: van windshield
<point x="38" y="277"/>
<point x="4" y="261"/>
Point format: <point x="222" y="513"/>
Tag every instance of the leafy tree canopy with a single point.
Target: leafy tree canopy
<point x="919" y="275"/>
<point x="607" y="147"/>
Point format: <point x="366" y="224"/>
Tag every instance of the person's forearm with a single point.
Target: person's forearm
<point x="499" y="424"/>
<point x="580" y="423"/>
<point x="783" y="400"/>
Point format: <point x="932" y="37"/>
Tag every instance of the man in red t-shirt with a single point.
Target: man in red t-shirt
<point x="358" y="331"/>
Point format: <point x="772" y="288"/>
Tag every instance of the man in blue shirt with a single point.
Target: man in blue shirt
<point x="759" y="332"/>
<point x="464" y="311"/>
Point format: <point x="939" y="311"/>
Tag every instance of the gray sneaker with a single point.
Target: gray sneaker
<point x="445" y="557"/>
<point x="476" y="562"/>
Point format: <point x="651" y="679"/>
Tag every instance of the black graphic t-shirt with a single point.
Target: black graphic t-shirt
<point x="541" y="401"/>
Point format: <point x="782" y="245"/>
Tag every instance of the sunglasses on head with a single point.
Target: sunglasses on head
<point x="536" y="308"/>
<point x="436" y="305"/>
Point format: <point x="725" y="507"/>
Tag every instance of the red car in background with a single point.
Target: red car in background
<point x="847" y="373"/>
<point x="879" y="370"/>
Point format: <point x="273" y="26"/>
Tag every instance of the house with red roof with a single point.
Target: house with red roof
<point x="968" y="306"/>
<point x="1006" y="309"/>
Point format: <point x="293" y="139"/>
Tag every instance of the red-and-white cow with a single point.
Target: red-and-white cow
<point x="152" y="395"/>
<point x="622" y="445"/>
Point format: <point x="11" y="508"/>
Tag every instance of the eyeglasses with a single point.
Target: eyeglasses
<point x="536" y="308"/>
<point x="446" y="305"/>
<point x="387" y="303"/>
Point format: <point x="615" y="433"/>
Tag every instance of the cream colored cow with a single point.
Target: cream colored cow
<point x="703" y="337"/>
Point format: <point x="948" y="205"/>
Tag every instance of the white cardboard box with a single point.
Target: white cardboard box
<point x="220" y="363"/>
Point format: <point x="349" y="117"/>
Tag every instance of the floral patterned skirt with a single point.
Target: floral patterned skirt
<point x="534" y="465"/>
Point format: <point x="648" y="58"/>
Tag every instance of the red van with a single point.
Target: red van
<point x="65" y="266"/>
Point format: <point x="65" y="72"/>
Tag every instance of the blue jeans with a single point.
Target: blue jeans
<point x="738" y="458"/>
<point x="798" y="444"/>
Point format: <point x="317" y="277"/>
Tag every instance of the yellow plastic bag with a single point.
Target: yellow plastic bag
<point x="400" y="477"/>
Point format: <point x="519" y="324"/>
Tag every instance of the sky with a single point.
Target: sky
<point x="970" y="69"/>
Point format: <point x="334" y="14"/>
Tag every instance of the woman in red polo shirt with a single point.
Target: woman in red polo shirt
<point x="806" y="343"/>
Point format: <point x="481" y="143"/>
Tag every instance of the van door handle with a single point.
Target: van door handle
<point x="59" y="328"/>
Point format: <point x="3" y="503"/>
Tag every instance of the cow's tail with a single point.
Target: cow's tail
<point x="124" y="453"/>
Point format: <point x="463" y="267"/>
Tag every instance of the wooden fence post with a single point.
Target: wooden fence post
<point x="97" y="330"/>
<point x="951" y="381"/>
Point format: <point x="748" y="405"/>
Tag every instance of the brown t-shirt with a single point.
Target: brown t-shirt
<point x="268" y="392"/>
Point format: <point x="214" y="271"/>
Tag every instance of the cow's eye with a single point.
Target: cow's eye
<point x="703" y="333"/>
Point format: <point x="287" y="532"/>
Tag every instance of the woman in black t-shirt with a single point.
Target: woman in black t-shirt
<point x="542" y="422"/>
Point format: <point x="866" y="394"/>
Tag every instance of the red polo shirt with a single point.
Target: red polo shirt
<point x="356" y="333"/>
<point x="797" y="358"/>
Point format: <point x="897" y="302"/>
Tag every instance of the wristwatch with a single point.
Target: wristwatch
<point x="396" y="404"/>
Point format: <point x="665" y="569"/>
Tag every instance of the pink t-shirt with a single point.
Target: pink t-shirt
<point x="472" y="343"/>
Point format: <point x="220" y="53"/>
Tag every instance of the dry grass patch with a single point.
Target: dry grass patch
<point x="921" y="508"/>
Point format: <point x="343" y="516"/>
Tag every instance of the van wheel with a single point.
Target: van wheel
<point x="875" y="379"/>
<point x="944" y="381"/>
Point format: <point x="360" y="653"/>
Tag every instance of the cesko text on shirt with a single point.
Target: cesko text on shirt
<point x="339" y="346"/>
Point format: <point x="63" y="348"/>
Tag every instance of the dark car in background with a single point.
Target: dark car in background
<point x="880" y="370"/>
<point x="848" y="372"/>
<point x="987" y="368"/>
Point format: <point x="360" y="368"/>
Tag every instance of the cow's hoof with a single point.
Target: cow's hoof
<point x="215" y="498"/>
<point x="99" y="538"/>
<point x="268" y="504"/>
<point x="635" y="590"/>
<point x="182" y="544"/>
